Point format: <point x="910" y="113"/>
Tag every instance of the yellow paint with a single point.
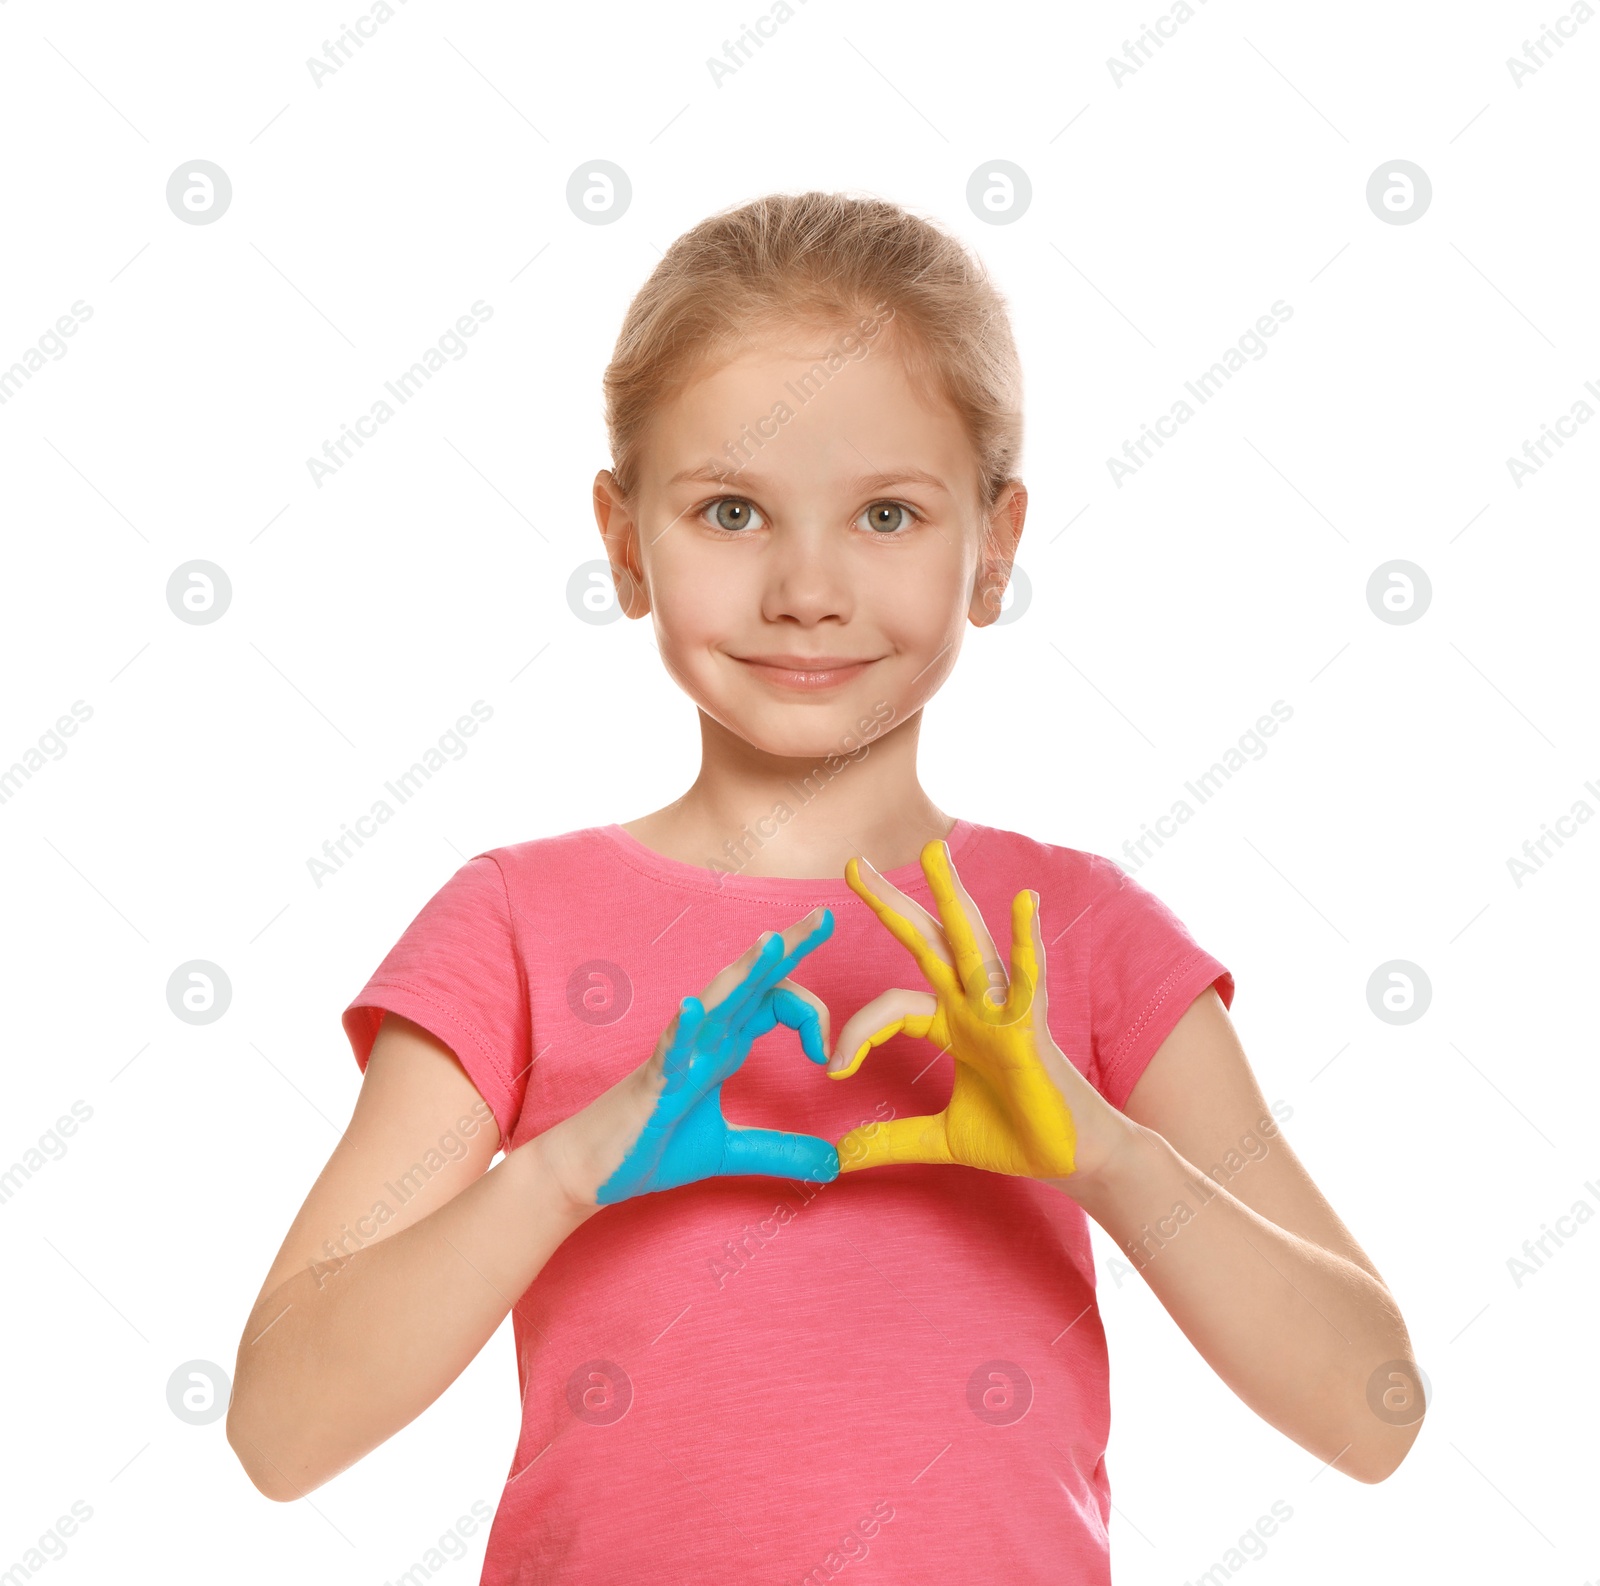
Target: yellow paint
<point x="1005" y="1114"/>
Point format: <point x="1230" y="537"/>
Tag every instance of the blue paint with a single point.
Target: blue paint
<point x="686" y="1138"/>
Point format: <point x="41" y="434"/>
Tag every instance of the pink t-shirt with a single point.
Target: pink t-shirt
<point x="752" y="1379"/>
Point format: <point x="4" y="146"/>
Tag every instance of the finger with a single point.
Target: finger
<point x="898" y="1140"/>
<point x="908" y="922"/>
<point x="803" y="1011"/>
<point x="880" y="891"/>
<point x="728" y="979"/>
<point x="887" y="1014"/>
<point x="748" y="1011"/>
<point x="679" y="1038"/>
<point x="776" y="1154"/>
<point x="746" y="993"/>
<point x="800" y="941"/>
<point x="1027" y="993"/>
<point x="977" y="961"/>
<point x="749" y="976"/>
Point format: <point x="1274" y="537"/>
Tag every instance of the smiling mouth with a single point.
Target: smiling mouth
<point x="806" y="672"/>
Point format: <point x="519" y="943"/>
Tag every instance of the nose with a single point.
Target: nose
<point x="807" y="576"/>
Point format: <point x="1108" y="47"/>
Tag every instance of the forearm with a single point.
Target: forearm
<point x="337" y="1359"/>
<point x="1295" y="1330"/>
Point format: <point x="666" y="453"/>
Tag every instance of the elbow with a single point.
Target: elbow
<point x="1395" y="1405"/>
<point x="1380" y="1457"/>
<point x="266" y="1475"/>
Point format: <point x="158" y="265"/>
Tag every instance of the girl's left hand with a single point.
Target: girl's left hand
<point x="1017" y="1105"/>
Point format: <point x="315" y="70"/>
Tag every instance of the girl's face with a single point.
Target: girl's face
<point x="809" y="542"/>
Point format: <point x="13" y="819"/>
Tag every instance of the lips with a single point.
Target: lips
<point x="808" y="663"/>
<point x="806" y="672"/>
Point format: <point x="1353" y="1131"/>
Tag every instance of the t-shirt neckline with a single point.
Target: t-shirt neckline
<point x="698" y="878"/>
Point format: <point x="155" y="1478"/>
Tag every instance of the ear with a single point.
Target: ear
<point x="621" y="536"/>
<point x="996" y="551"/>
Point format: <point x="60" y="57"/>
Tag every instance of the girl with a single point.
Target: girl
<point x="853" y="1314"/>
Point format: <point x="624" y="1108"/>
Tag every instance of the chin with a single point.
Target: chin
<point x="803" y="731"/>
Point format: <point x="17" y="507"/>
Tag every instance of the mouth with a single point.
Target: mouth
<point x="806" y="673"/>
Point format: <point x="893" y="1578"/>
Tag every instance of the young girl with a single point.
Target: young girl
<point x="771" y="1316"/>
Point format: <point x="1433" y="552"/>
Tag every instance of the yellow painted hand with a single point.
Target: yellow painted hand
<point x="1007" y="1112"/>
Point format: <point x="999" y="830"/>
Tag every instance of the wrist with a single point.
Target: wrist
<point x="582" y="1152"/>
<point x="557" y="1180"/>
<point x="1107" y="1142"/>
<point x="1123" y="1156"/>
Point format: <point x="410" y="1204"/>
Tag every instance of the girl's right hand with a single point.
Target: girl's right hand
<point x="662" y="1125"/>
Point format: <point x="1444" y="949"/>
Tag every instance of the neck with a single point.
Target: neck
<point x="758" y="814"/>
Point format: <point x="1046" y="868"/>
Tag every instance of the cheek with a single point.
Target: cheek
<point x="923" y="615"/>
<point x="924" y="599"/>
<point x="692" y="602"/>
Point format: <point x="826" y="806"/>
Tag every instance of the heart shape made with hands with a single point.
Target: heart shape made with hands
<point x="687" y="1138"/>
<point x="1005" y="1114"/>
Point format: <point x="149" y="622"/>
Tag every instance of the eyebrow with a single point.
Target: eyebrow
<point x="706" y="474"/>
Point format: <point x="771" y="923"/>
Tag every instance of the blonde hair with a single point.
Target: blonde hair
<point x="820" y="259"/>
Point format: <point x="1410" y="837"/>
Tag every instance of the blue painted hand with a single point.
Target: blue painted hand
<point x="686" y="1138"/>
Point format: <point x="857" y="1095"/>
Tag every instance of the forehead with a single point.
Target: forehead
<point x="810" y="404"/>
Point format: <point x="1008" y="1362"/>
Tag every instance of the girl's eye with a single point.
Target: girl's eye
<point x="887" y="517"/>
<point x="736" y="515"/>
<point x="732" y="514"/>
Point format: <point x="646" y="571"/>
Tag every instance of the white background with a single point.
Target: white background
<point x="1166" y="615"/>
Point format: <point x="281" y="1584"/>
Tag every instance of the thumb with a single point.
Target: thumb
<point x="775" y="1154"/>
<point x="887" y="1014"/>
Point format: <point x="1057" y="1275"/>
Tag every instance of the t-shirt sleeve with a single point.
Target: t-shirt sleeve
<point x="458" y="973"/>
<point x="1145" y="970"/>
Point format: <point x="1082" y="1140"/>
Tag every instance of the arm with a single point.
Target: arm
<point x="341" y="1352"/>
<point x="345" y="1347"/>
<point x="1259" y="1272"/>
<point x="1257" y="1269"/>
